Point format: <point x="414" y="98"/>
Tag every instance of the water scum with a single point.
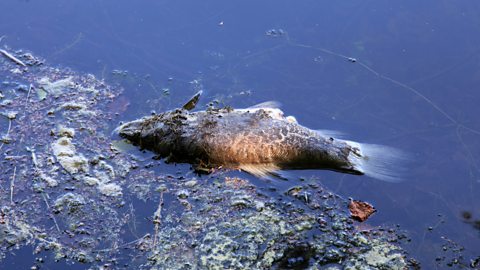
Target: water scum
<point x="71" y="193"/>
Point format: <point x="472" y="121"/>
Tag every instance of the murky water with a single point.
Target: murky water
<point x="401" y="73"/>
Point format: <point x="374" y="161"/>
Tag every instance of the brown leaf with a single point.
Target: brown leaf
<point x="360" y="211"/>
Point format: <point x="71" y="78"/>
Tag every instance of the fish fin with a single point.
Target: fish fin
<point x="192" y="102"/>
<point x="260" y="170"/>
<point x="330" y="133"/>
<point x="378" y="161"/>
<point x="267" y="104"/>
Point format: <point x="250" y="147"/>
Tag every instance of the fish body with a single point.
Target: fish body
<point x="259" y="140"/>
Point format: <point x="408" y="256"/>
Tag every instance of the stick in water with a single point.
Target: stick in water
<point x="12" y="184"/>
<point x="13" y="58"/>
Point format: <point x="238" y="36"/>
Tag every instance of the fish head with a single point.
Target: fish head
<point x="141" y="131"/>
<point x="130" y="130"/>
<point x="157" y="133"/>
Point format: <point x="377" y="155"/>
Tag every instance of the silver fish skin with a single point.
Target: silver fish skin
<point x="257" y="140"/>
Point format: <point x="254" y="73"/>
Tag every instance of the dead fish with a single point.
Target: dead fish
<point x="259" y="140"/>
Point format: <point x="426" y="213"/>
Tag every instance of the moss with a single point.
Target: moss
<point x="191" y="183"/>
<point x="70" y="202"/>
<point x="74" y="164"/>
<point x="48" y="180"/>
<point x="385" y="256"/>
<point x="56" y="88"/>
<point x="111" y="190"/>
<point x="91" y="181"/>
<point x="73" y="106"/>
<point x="65" y="153"/>
<point x="65" y="132"/>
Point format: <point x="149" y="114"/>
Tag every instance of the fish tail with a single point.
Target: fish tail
<point x="378" y="161"/>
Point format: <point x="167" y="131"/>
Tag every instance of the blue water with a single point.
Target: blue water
<point x="414" y="84"/>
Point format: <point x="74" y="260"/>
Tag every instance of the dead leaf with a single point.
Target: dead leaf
<point x="361" y="211"/>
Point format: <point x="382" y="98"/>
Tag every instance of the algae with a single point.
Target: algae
<point x="55" y="87"/>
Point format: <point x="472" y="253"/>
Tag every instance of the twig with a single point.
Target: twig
<point x="53" y="217"/>
<point x="134" y="223"/>
<point x="12" y="184"/>
<point x="13" y="58"/>
<point x="8" y="131"/>
<point x="34" y="157"/>
<point x="120" y="246"/>
<point x="157" y="219"/>
<point x="28" y="94"/>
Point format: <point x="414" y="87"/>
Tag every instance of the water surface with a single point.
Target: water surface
<point x="411" y="82"/>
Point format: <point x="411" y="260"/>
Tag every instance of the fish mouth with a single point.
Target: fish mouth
<point x="130" y="130"/>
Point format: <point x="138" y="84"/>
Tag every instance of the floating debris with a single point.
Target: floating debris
<point x="351" y="59"/>
<point x="361" y="211"/>
<point x="120" y="72"/>
<point x="13" y="58"/>
<point x="275" y="32"/>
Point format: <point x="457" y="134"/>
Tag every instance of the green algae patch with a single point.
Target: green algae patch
<point x="55" y="87"/>
<point x="65" y="152"/>
<point x="222" y="226"/>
